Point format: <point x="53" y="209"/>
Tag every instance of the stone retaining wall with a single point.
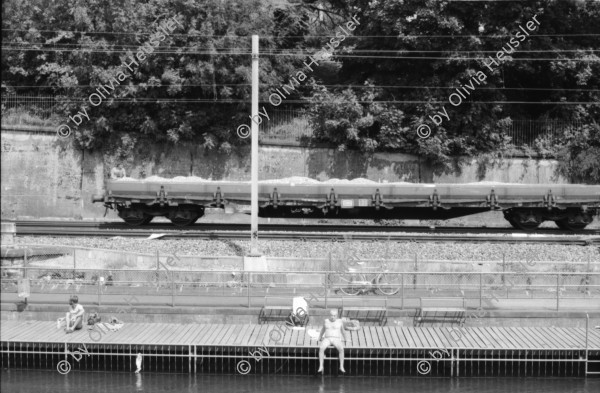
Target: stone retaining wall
<point x="44" y="176"/>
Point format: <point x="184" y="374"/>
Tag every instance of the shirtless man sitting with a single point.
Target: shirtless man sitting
<point x="333" y="330"/>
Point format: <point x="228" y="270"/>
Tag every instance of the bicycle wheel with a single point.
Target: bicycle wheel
<point x="351" y="283"/>
<point x="388" y="284"/>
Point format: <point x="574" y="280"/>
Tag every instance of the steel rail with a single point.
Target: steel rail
<point x="309" y="232"/>
<point x="26" y="225"/>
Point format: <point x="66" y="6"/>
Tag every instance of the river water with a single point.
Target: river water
<point x="30" y="381"/>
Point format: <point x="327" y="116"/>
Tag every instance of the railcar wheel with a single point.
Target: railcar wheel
<point x="183" y="218"/>
<point x="134" y="222"/>
<point x="512" y="223"/>
<point x="561" y="225"/>
<point x="525" y="220"/>
<point x="134" y="217"/>
<point x="147" y="220"/>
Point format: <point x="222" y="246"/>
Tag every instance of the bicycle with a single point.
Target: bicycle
<point x="354" y="282"/>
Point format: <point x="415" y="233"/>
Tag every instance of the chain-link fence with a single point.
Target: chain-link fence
<point x="183" y="286"/>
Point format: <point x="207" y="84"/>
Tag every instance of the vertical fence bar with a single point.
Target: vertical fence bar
<point x="74" y="264"/>
<point x="587" y="327"/>
<point x="480" y="288"/>
<point x="172" y="288"/>
<point x="587" y="276"/>
<point x="402" y="282"/>
<point x="557" y="291"/>
<point x="189" y="359"/>
<point x="157" y="269"/>
<point x="503" y="267"/>
<point x="25" y="279"/>
<point x="249" y="279"/>
<point x="98" y="291"/>
<point x="416" y="270"/>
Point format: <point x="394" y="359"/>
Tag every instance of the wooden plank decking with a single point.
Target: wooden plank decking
<point x="390" y="337"/>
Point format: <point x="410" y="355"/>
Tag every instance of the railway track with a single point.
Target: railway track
<point x="309" y="232"/>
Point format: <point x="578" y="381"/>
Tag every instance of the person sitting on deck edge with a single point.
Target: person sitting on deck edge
<point x="333" y="329"/>
<point x="74" y="318"/>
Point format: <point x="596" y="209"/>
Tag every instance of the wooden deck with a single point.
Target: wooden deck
<point x="369" y="337"/>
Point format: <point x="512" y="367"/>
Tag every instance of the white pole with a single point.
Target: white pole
<point x="254" y="153"/>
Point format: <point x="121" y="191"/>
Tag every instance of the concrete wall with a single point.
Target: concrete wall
<point x="44" y="176"/>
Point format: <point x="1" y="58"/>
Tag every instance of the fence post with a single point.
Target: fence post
<point x="587" y="328"/>
<point x="402" y="304"/>
<point x="157" y="269"/>
<point x="98" y="289"/>
<point x="25" y="279"/>
<point x="557" y="291"/>
<point x="587" y="277"/>
<point x="172" y="289"/>
<point x="74" y="259"/>
<point x="480" y="288"/>
<point x="25" y="261"/>
<point x="416" y="270"/>
<point x="503" y="266"/>
<point x="249" y="279"/>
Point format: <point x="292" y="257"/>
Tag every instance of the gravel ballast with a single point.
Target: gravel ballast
<point x="465" y="251"/>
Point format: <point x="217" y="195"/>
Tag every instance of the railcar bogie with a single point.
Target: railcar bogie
<point x="571" y="218"/>
<point x="142" y="214"/>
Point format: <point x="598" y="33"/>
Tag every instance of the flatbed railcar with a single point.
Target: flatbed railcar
<point x="525" y="206"/>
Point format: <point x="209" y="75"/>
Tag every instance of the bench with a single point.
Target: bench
<point x="374" y="313"/>
<point x="450" y="310"/>
<point x="271" y="312"/>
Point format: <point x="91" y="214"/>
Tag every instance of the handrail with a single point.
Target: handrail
<point x="312" y="272"/>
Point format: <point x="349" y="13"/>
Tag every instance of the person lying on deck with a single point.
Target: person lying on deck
<point x="74" y="318"/>
<point x="333" y="330"/>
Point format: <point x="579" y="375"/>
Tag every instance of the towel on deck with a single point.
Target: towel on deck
<point x="313" y="334"/>
<point x="105" y="326"/>
<point x="113" y="327"/>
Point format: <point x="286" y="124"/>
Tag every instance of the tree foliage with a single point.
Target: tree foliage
<point x="209" y="60"/>
<point x="579" y="155"/>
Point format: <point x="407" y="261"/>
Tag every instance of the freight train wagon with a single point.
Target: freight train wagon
<point x="524" y="206"/>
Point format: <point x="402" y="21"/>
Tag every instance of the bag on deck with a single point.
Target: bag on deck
<point x="94" y="318"/>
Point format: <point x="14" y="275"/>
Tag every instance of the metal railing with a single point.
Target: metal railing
<point x="286" y="127"/>
<point x="185" y="287"/>
<point x="525" y="132"/>
<point x="28" y="109"/>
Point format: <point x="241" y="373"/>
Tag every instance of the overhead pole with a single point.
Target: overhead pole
<point x="254" y="152"/>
